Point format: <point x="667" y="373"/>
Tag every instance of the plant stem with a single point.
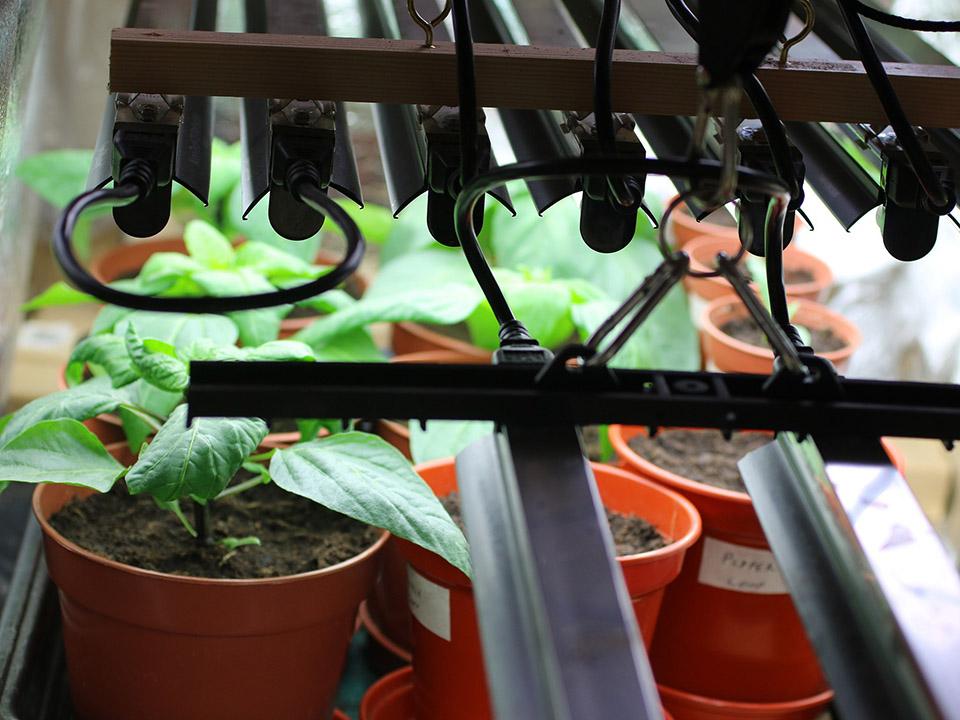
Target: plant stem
<point x="201" y="522"/>
<point x="240" y="487"/>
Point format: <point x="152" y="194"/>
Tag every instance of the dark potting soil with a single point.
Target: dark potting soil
<point x="746" y="330"/>
<point x="297" y="535"/>
<point x="631" y="534"/>
<point x="700" y="455"/>
<point x="796" y="276"/>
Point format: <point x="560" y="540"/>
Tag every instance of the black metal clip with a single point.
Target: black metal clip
<point x="146" y="128"/>
<point x="752" y="219"/>
<point x="907" y="220"/>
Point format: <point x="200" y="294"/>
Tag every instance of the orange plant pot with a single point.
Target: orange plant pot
<point x="742" y="645"/>
<point x="391" y="698"/>
<point x="684" y="227"/>
<point x="728" y="354"/>
<point x="153" y="646"/>
<point x="703" y="252"/>
<point x="449" y="679"/>
<point x="410" y="337"/>
<point x="397" y="433"/>
<point x="686" y="706"/>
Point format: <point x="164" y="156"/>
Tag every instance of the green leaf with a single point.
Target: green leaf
<point x="80" y="402"/>
<point x="275" y="265"/>
<point x="255" y="326"/>
<point x="179" y="330"/>
<point x="58" y="294"/>
<point x="328" y="302"/>
<point x="58" y="176"/>
<point x="108" y="318"/>
<point x="108" y="352"/>
<point x="407" y="273"/>
<point x="444" y="438"/>
<point x="440" y="305"/>
<point x="135" y="428"/>
<point x="374" y="221"/>
<point x="197" y="461"/>
<point x="352" y="346"/>
<point x="158" y="364"/>
<point x="364" y="477"/>
<point x="162" y="271"/>
<point x="207" y="245"/>
<point x="543" y="307"/>
<point x="232" y="543"/>
<point x="276" y="350"/>
<point x="60" y="451"/>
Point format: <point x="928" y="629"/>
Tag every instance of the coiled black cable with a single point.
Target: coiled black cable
<point x="940" y="200"/>
<point x="905" y="23"/>
<point x="136" y="180"/>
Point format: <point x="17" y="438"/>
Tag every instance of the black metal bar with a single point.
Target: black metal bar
<point x="586" y="396"/>
<point x="539" y="629"/>
<point x="878" y="595"/>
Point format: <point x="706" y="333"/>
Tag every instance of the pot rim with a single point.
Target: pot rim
<point x="792" y="257"/>
<point x="676" y="545"/>
<point x="633" y="458"/>
<point x="750" y="708"/>
<point x="71" y="547"/>
<point x="837" y="322"/>
<point x="441" y="341"/>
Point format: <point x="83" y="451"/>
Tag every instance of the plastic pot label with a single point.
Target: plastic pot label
<point x="429" y="603"/>
<point x="740" y="568"/>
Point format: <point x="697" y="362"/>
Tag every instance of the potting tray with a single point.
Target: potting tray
<point x="33" y="674"/>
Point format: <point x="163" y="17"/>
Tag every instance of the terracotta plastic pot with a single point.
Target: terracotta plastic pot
<point x="727" y="354"/>
<point x="728" y="628"/>
<point x="391" y="698"/>
<point x="684" y="226"/>
<point x="411" y="337"/>
<point x="153" y="646"/>
<point x="686" y="706"/>
<point x="703" y="252"/>
<point x="127" y="260"/>
<point x="449" y="679"/>
<point x="397" y="433"/>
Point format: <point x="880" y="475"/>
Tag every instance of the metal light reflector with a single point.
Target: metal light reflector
<point x="877" y="591"/>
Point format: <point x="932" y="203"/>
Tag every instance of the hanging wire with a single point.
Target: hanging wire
<point x="427" y="25"/>
<point x="940" y="199"/>
<point x="603" y="76"/>
<point x="137" y="180"/>
<point x="809" y="20"/>
<point x="904" y="22"/>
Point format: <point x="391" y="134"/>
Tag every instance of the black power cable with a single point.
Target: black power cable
<point x="940" y="200"/>
<point x="136" y="180"/>
<point x="467" y="90"/>
<point x="603" y="76"/>
<point x="603" y="166"/>
<point x="904" y="23"/>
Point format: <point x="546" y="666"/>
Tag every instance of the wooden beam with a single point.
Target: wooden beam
<point x="512" y="76"/>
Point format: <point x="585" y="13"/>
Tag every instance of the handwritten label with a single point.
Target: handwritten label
<point x="429" y="603"/>
<point x="739" y="568"/>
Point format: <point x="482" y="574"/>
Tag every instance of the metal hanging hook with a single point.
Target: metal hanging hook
<point x="428" y="25"/>
<point x="810" y="17"/>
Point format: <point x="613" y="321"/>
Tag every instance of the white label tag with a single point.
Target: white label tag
<point x="429" y="603"/>
<point x="739" y="568"/>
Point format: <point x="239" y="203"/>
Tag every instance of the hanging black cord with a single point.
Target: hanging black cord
<point x="773" y="127"/>
<point x="603" y="76"/>
<point x="941" y="201"/>
<point x="467" y="90"/>
<point x="601" y="166"/>
<point x="905" y="23"/>
<point x="135" y="181"/>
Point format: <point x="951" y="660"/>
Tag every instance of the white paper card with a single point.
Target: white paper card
<point x="429" y="603"/>
<point x="740" y="568"/>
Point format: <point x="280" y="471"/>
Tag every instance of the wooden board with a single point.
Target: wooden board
<point x="511" y="76"/>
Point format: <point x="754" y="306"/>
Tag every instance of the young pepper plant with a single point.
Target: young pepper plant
<point x="356" y="474"/>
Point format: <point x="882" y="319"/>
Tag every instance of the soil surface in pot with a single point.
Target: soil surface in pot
<point x="746" y="330"/>
<point x="700" y="455"/>
<point x="297" y="535"/>
<point x="631" y="534"/>
<point x="797" y="276"/>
